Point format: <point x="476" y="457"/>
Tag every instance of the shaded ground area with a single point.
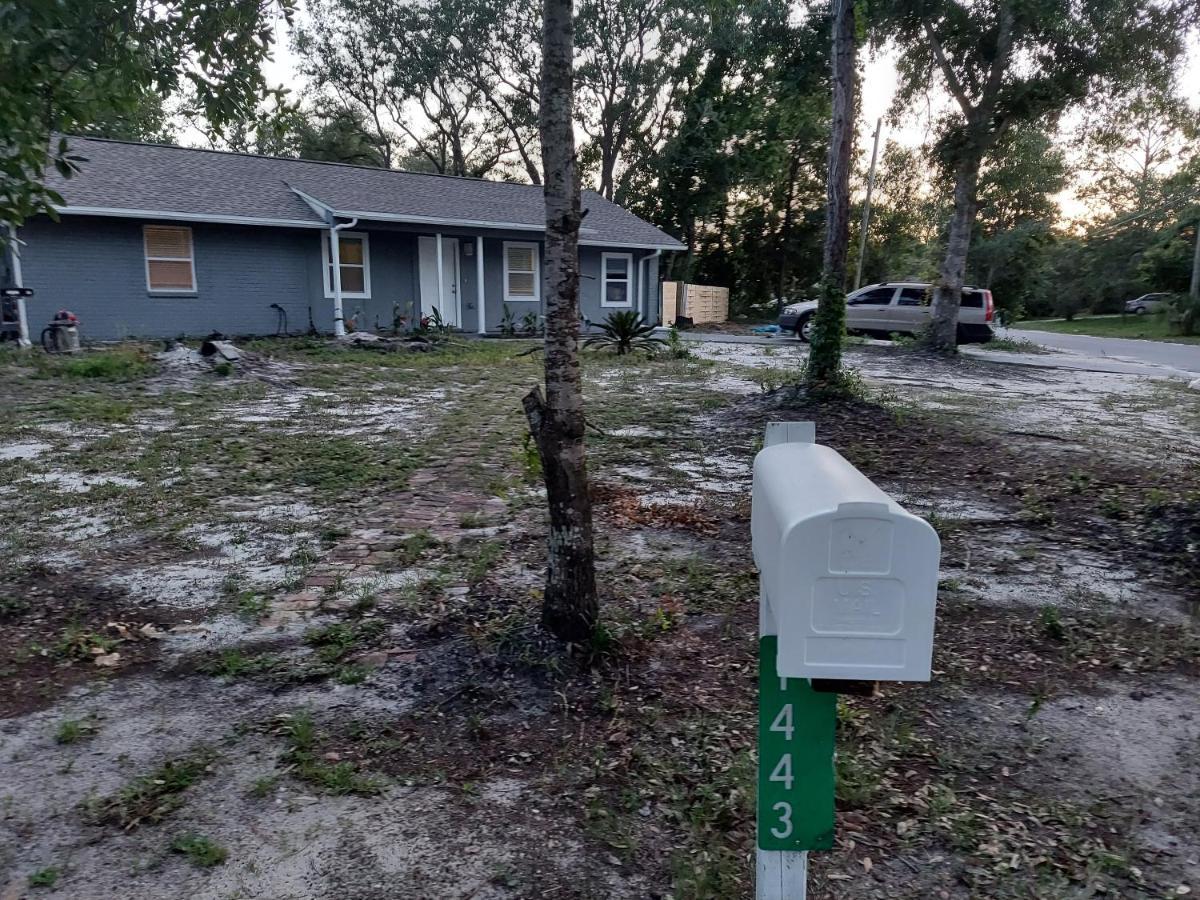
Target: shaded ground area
<point x="273" y="633"/>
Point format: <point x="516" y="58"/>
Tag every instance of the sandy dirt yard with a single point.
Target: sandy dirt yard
<point x="270" y="631"/>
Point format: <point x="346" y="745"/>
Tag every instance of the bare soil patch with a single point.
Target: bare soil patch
<point x="345" y="558"/>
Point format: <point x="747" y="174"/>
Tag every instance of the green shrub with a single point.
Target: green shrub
<point x="625" y="332"/>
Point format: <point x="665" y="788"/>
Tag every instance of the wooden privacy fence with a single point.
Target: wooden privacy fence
<point x="701" y="302"/>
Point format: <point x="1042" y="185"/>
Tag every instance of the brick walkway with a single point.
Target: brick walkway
<point x="369" y="553"/>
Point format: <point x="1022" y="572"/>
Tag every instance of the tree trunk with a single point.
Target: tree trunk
<point x="570" y="606"/>
<point x="825" y="358"/>
<point x="942" y="334"/>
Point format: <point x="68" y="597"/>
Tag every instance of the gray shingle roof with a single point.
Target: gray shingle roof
<point x="123" y="178"/>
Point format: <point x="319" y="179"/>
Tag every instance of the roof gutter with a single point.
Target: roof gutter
<point x="172" y="216"/>
<point x="328" y="214"/>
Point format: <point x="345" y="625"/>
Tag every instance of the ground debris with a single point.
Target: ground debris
<point x="367" y="340"/>
<point x="628" y="508"/>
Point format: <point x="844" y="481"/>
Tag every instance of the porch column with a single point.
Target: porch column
<point x="440" y="288"/>
<point x="14" y="264"/>
<point x="479" y="284"/>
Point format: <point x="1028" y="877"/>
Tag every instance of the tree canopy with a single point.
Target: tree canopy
<point x="69" y="66"/>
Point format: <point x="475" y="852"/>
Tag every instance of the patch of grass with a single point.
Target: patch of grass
<point x="123" y="364"/>
<point x="1051" y="624"/>
<point x="332" y="534"/>
<point x="1148" y="327"/>
<point x="80" y="643"/>
<point x="945" y="526"/>
<point x="1013" y="345"/>
<point x="236" y="664"/>
<point x="250" y="606"/>
<point x="333" y="777"/>
<point x="333" y="642"/>
<point x="151" y="797"/>
<point x="44" y="877"/>
<point x="264" y="786"/>
<point x="201" y="851"/>
<point x="530" y="459"/>
<point x="72" y="731"/>
<point x="483" y="558"/>
<point x="93" y="408"/>
<point x="413" y="546"/>
<point x="771" y="379"/>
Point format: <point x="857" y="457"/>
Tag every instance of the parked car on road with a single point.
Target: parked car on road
<point x="898" y="307"/>
<point x="1147" y="303"/>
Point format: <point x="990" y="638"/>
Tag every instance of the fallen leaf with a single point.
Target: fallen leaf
<point x="107" y="660"/>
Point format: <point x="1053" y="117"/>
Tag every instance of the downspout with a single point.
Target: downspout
<point x="335" y="254"/>
<point x="482" y="308"/>
<point x="14" y="267"/>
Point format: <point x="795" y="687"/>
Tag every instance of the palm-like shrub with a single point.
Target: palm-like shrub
<point x="625" y="332"/>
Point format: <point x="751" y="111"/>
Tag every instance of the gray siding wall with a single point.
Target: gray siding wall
<point x="645" y="278"/>
<point x="95" y="267"/>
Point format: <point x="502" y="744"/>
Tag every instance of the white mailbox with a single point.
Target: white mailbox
<point x="849" y="577"/>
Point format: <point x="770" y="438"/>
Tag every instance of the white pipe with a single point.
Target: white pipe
<point x="439" y="270"/>
<point x="14" y="250"/>
<point x="479" y="284"/>
<point x="335" y="255"/>
<point x="658" y="297"/>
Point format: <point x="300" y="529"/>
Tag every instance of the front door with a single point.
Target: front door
<point x="447" y="304"/>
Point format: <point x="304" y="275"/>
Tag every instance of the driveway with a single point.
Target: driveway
<point x="1155" y="359"/>
<point x="1182" y="357"/>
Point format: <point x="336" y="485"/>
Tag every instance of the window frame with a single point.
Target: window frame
<point x="860" y="301"/>
<point x="628" y="279"/>
<point x="190" y="259"/>
<point x="537" y="272"/>
<point x="327" y="265"/>
<point x="923" y="300"/>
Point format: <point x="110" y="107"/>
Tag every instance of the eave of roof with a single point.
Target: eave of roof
<point x="173" y="216"/>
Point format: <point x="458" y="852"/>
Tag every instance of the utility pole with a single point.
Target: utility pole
<point x="1195" y="287"/>
<point x="866" y="219"/>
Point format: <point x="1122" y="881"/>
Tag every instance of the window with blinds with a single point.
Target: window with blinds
<point x="170" y="263"/>
<point x="520" y="272"/>
<point x="354" y="254"/>
<point x="617" y="275"/>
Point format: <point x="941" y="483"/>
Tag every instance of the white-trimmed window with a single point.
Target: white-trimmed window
<point x="616" y="279"/>
<point x="170" y="261"/>
<point x="521" y="273"/>
<point x="354" y="254"/>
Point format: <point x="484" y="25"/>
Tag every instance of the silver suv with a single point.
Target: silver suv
<point x="1146" y="303"/>
<point x="898" y="307"/>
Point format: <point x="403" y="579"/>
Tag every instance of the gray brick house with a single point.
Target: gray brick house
<point x="158" y="241"/>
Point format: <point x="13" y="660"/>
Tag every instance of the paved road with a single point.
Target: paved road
<point x="1183" y="357"/>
